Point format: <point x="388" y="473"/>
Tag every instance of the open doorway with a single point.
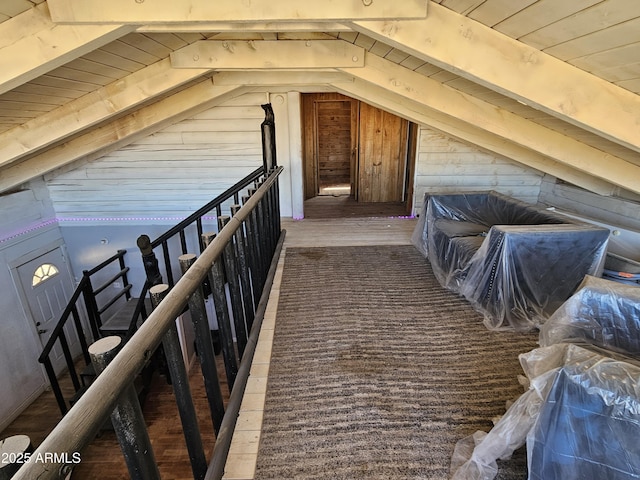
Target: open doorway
<point x="357" y="158"/>
<point x="335" y="146"/>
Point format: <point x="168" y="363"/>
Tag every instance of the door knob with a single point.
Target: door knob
<point x="42" y="330"/>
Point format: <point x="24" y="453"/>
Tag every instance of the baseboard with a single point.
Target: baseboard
<point x="22" y="407"/>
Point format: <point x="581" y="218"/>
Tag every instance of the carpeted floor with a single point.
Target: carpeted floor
<point x="377" y="371"/>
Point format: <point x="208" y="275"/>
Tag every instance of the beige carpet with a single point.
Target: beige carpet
<point x="377" y="371"/>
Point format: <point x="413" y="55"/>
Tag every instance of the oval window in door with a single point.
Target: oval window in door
<point x="43" y="273"/>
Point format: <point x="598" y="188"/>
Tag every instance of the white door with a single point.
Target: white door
<point x="47" y="286"/>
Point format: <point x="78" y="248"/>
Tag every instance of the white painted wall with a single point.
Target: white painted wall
<point x="621" y="216"/>
<point x="169" y="174"/>
<point x="26" y="226"/>
<point x="446" y="165"/>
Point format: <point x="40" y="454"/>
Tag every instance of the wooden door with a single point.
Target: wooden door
<point x="47" y="285"/>
<point x="382" y="156"/>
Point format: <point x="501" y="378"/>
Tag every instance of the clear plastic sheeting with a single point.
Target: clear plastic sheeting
<point x="580" y="419"/>
<point x="516" y="263"/>
<point x="603" y="313"/>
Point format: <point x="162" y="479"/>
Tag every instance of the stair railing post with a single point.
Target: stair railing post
<point x="204" y="344"/>
<point x="149" y="260"/>
<point x="123" y="268"/>
<point x="230" y="266"/>
<point x="127" y="417"/>
<point x="216" y="278"/>
<point x="91" y="306"/>
<point x="268" y="139"/>
<point x="182" y="390"/>
<point x="243" y="266"/>
<point x="263" y="238"/>
<point x="257" y="237"/>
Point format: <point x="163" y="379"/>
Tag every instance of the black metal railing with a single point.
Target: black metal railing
<point x="236" y="267"/>
<point x="93" y="304"/>
<point x="252" y="230"/>
<point x="96" y="311"/>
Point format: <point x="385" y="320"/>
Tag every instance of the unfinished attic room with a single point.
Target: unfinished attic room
<point x="348" y="239"/>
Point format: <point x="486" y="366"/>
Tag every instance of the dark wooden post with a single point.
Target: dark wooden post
<point x="252" y="252"/>
<point x="204" y="344"/>
<point x="182" y="390"/>
<point x="149" y="260"/>
<point x="268" y="139"/>
<point x="216" y="278"/>
<point x="231" y="268"/>
<point x="243" y="270"/>
<point x="127" y="417"/>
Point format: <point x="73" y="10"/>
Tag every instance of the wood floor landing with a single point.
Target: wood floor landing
<point x="344" y="207"/>
<point x="103" y="458"/>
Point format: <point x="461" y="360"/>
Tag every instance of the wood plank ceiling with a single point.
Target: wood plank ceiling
<point x="63" y="80"/>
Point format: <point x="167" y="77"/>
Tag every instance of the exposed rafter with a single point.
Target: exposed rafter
<point x="121" y="132"/>
<point x="31" y="45"/>
<point x="171" y="11"/>
<point x="467" y="133"/>
<point x="498" y="123"/>
<point x="269" y="55"/>
<point x="478" y="53"/>
<point x="91" y="109"/>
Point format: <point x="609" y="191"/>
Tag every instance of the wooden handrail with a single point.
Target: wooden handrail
<point x="84" y="419"/>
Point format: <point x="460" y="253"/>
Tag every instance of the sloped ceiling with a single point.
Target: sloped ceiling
<point x="553" y="85"/>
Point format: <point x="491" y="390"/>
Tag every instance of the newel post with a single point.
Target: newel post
<point x="268" y="128"/>
<point x="149" y="260"/>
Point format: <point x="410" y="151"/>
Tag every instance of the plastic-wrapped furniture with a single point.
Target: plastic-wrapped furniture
<point x="580" y="420"/>
<point x="514" y="262"/>
<point x="602" y="312"/>
<point x="621" y="269"/>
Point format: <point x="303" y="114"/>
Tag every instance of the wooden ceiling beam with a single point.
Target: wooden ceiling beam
<point x="478" y="53"/>
<point x="268" y="55"/>
<point x="281" y="78"/>
<point x="273" y="27"/>
<point x="91" y="109"/>
<point x="470" y="134"/>
<point x="503" y="132"/>
<point x="141" y="12"/>
<point x="120" y="132"/>
<point x="32" y="45"/>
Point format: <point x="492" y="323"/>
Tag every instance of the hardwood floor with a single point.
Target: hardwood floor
<point x="344" y="206"/>
<point x="103" y="459"/>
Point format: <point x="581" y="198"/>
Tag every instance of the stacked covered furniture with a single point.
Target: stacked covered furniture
<point x="514" y="262"/>
<point x="580" y="417"/>
<point x="603" y="313"/>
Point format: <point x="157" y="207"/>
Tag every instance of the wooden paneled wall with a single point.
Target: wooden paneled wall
<point x="170" y="173"/>
<point x="445" y="164"/>
<point x="176" y="170"/>
<point x="611" y="210"/>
